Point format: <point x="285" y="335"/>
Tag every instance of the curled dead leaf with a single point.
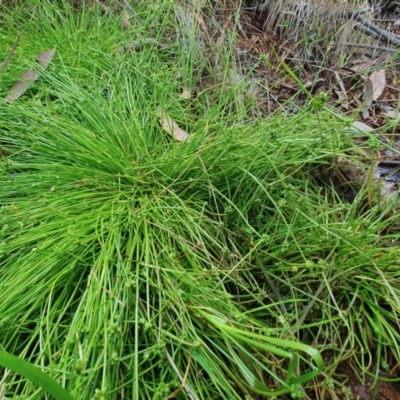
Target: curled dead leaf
<point x="170" y="126"/>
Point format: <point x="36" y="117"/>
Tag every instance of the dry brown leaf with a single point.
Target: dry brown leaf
<point x="185" y="93"/>
<point x="359" y="68"/>
<point x="126" y="23"/>
<point x="361" y="127"/>
<point x="44" y="59"/>
<point x="342" y="99"/>
<point x="23" y="84"/>
<point x="368" y="92"/>
<point x="170" y="126"/>
<point x="378" y="81"/>
<point x="29" y="76"/>
<point x="374" y="87"/>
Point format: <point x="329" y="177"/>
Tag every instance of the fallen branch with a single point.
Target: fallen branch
<point x="371" y="29"/>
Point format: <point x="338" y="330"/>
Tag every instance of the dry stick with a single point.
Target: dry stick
<point x="371" y="33"/>
<point x="369" y="46"/>
<point x="371" y="29"/>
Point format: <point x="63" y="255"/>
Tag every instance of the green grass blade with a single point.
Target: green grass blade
<point x="34" y="374"/>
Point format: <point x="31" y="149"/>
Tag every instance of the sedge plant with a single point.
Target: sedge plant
<point x="136" y="266"/>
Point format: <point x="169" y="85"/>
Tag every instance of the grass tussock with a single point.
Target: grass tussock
<point x="133" y="266"/>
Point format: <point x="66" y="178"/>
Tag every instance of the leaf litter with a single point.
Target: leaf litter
<point x="29" y="76"/>
<point x="170" y="126"/>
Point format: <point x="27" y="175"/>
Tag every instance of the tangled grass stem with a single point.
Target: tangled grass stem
<point x="134" y="264"/>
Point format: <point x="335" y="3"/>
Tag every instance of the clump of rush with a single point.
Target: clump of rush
<point x="135" y="266"/>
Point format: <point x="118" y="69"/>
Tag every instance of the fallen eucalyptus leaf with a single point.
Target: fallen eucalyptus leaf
<point x="23" y="84"/>
<point x="358" y="127"/>
<point x="378" y="80"/>
<point x="44" y="58"/>
<point x="30" y="76"/>
<point x="368" y="92"/>
<point x="372" y="90"/>
<point x="361" y="126"/>
<point x="170" y="126"/>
